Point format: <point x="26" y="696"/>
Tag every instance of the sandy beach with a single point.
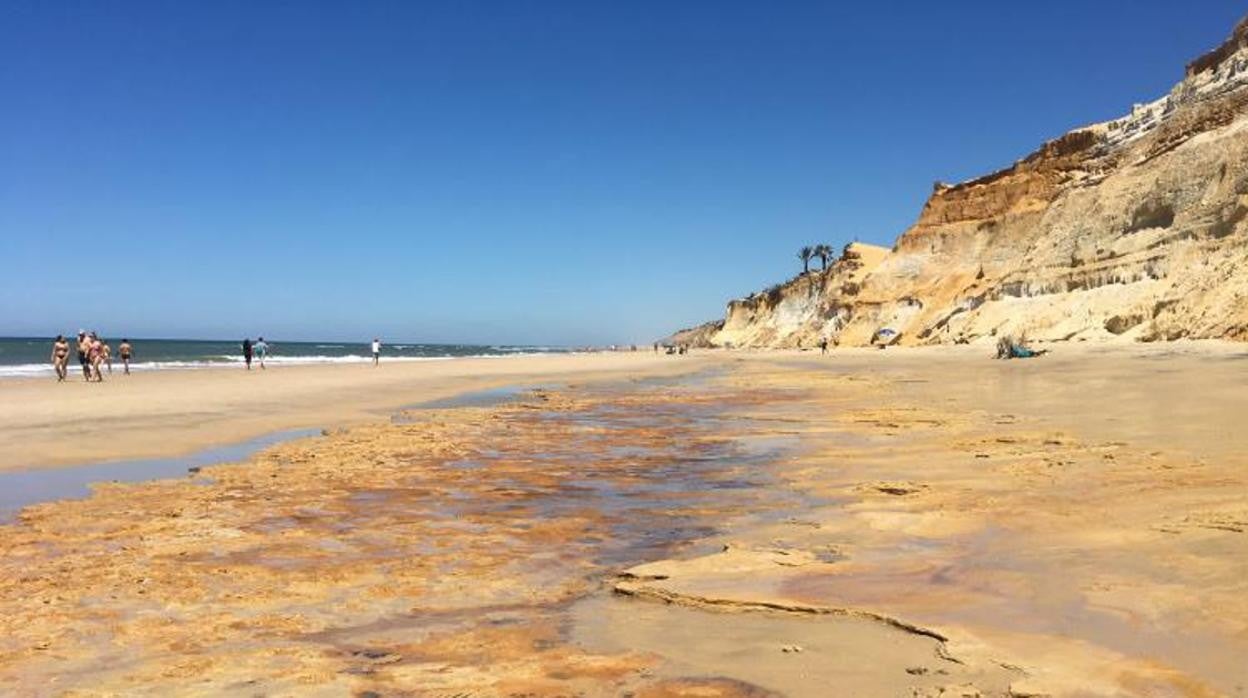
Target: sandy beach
<point x="624" y="350"/>
<point x="165" y="413"/>
<point x="902" y="523"/>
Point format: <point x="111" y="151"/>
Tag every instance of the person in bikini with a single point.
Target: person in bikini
<point x="125" y="351"/>
<point x="60" y="358"/>
<point x="95" y="353"/>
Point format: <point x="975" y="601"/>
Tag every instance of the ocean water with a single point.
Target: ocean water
<point x="28" y="356"/>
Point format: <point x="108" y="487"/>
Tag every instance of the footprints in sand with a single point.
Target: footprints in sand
<point x="1064" y="470"/>
<point x="1041" y="455"/>
<point x="1021" y="444"/>
<point x="898" y="419"/>
<point x="1229" y="520"/>
<point x="963" y="691"/>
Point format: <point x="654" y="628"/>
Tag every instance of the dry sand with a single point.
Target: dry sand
<point x="900" y="523"/>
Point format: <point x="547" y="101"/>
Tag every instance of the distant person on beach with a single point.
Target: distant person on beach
<point x="108" y="355"/>
<point x="125" y="350"/>
<point x="84" y="351"/>
<point x="823" y="346"/>
<point x="95" y="354"/>
<point x="247" y="352"/>
<point x="60" y="358"/>
<point x="262" y="350"/>
<point x="376" y="351"/>
<point x="656" y="347"/>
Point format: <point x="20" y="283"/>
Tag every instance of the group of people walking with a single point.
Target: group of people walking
<point x="94" y="355"/>
<point x="257" y="350"/>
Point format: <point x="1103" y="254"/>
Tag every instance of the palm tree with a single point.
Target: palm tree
<point x="806" y="254"/>
<point x="823" y="252"/>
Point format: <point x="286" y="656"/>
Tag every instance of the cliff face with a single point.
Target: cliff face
<point x="1135" y="228"/>
<point x="803" y="311"/>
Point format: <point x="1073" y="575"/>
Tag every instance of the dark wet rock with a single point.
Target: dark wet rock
<point x="712" y="687"/>
<point x="895" y="489"/>
<point x="377" y="656"/>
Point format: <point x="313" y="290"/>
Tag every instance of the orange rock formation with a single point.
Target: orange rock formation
<point x="1131" y="228"/>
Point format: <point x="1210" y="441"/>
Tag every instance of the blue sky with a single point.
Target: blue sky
<point x="522" y="172"/>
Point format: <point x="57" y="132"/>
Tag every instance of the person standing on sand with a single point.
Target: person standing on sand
<point x="95" y="353"/>
<point x="823" y="346"/>
<point x="247" y="352"/>
<point x="84" y="351"/>
<point x="376" y="351"/>
<point x="108" y="356"/>
<point x="60" y="358"/>
<point x="262" y="350"/>
<point x="125" y="350"/>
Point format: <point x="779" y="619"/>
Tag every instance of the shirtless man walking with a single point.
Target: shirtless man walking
<point x="60" y="358"/>
<point x="125" y="350"/>
<point x="84" y="354"/>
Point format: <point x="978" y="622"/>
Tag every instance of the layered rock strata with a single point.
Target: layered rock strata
<point x="1133" y="228"/>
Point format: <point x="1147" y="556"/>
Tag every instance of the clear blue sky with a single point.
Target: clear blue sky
<point x="523" y="172"/>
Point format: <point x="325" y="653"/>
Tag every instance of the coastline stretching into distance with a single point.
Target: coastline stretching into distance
<point x="163" y="413"/>
<point x="22" y="357"/>
<point x="888" y="522"/>
<point x="835" y="490"/>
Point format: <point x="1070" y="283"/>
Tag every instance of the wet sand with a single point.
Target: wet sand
<point x="927" y="523"/>
<point x="151" y="414"/>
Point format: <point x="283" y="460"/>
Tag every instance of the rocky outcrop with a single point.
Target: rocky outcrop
<point x="1216" y="57"/>
<point x="1134" y="228"/>
<point x="700" y="336"/>
<point x="802" y="312"/>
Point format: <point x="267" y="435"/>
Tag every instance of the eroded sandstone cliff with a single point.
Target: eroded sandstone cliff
<point x="1132" y="228"/>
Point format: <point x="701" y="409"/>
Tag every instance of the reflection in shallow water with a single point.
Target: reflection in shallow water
<point x="655" y="477"/>
<point x="410" y="546"/>
<point x="23" y="488"/>
<point x="384" y="555"/>
<point x="575" y="491"/>
<point x="490" y="397"/>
